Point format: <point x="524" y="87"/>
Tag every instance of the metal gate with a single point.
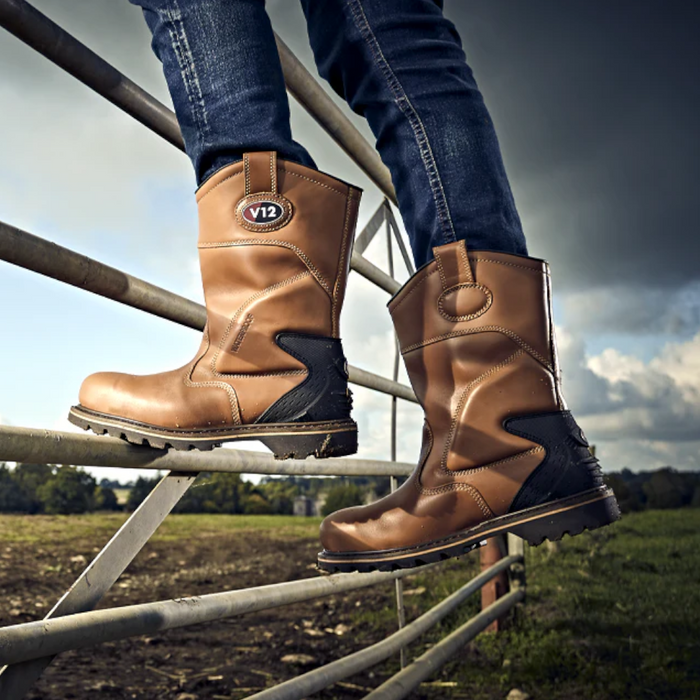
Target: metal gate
<point x="27" y="649"/>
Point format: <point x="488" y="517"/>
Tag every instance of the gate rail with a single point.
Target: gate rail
<point x="27" y="649"/>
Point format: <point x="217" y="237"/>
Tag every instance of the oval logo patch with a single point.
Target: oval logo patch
<point x="264" y="212"/>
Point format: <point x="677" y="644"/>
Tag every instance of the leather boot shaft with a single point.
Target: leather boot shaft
<point x="500" y="451"/>
<point x="274" y="244"/>
<point x="476" y="334"/>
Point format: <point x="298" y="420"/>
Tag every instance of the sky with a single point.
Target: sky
<point x="595" y="104"/>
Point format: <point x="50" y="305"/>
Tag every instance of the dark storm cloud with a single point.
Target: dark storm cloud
<point x="597" y="109"/>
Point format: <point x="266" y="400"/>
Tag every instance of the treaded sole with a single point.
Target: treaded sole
<point x="584" y="511"/>
<point x="285" y="440"/>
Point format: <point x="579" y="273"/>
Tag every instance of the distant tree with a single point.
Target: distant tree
<point x="138" y="492"/>
<point x="342" y="496"/>
<point x="627" y="498"/>
<point x="110" y="484"/>
<point x="666" y="488"/>
<point x="106" y="499"/>
<point x="695" y="500"/>
<point x="280" y="494"/>
<point x="12" y="498"/>
<point x="69" y="490"/>
<point x="31" y="478"/>
<point x="256" y="504"/>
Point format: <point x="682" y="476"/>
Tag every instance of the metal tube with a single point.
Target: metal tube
<point x="407" y="259"/>
<point x="45" y="36"/>
<point x="37" y="446"/>
<point x="407" y="680"/>
<point x="101" y="574"/>
<point x="38" y="31"/>
<point x="320" y="678"/>
<point x="400" y="607"/>
<point x="365" y="237"/>
<point x="48" y="637"/>
<point x="39" y="255"/>
<point x="387" y="386"/>
<point x="371" y="272"/>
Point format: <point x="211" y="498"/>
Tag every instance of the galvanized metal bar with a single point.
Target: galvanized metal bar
<point x="39" y="255"/>
<point x="100" y="575"/>
<point x="387" y="386"/>
<point x="371" y="272"/>
<point x="54" y="447"/>
<point x="313" y="98"/>
<point x="400" y="607"/>
<point x="320" y="678"/>
<point x="366" y="236"/>
<point x="45" y="36"/>
<point x="407" y="680"/>
<point x="49" y="637"/>
<point x="407" y="259"/>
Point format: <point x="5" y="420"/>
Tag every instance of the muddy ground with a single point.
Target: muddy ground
<point x="230" y="659"/>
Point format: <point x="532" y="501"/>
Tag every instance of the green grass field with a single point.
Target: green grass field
<point x="613" y="614"/>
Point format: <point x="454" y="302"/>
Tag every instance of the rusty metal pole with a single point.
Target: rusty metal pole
<point x="491" y="553"/>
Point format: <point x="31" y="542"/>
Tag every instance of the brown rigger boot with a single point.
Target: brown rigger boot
<point x="500" y="451"/>
<point x="274" y="245"/>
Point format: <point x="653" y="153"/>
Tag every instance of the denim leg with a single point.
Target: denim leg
<point x="225" y="79"/>
<point x="401" y="65"/>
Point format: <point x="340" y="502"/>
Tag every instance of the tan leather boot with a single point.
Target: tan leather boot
<point x="500" y="451"/>
<point x="274" y="245"/>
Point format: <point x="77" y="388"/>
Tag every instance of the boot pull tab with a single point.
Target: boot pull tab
<point x="453" y="264"/>
<point x="260" y="172"/>
<point x="262" y="208"/>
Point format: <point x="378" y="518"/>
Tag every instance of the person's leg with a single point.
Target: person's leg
<point x="501" y="452"/>
<point x="401" y="65"/>
<point x="274" y="247"/>
<point x="221" y="65"/>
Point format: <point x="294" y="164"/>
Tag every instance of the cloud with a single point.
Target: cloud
<point x="644" y="414"/>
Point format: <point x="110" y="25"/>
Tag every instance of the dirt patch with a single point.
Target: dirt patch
<point x="230" y="659"/>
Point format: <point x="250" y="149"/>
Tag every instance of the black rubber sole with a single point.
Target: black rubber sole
<point x="551" y="521"/>
<point x="286" y="440"/>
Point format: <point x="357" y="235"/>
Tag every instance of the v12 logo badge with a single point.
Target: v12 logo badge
<point x="264" y="212"/>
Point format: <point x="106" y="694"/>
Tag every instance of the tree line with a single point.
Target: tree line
<point x="43" y="488"/>
<point x="50" y="489"/>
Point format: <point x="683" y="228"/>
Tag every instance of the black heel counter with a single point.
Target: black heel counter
<point x="568" y="467"/>
<point x="324" y="394"/>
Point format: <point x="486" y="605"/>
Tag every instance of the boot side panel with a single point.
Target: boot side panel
<point x="323" y="394"/>
<point x="248" y="344"/>
<point x="518" y="386"/>
<point x="568" y="467"/>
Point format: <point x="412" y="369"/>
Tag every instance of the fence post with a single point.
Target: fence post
<point x="516" y="573"/>
<point x="491" y="553"/>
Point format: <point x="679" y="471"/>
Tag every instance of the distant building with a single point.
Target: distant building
<point x="304" y="506"/>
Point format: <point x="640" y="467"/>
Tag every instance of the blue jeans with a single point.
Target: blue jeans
<point x="400" y="64"/>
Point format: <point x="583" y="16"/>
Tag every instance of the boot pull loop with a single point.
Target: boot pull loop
<point x="453" y="264"/>
<point x="260" y="172"/>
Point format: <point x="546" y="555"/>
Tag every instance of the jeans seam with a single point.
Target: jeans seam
<point x="408" y="110"/>
<point x="188" y="70"/>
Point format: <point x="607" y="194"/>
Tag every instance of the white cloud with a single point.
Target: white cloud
<point x="642" y="414"/>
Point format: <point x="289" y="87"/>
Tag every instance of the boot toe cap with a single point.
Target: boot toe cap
<point x="104" y="392"/>
<point x="347" y="530"/>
